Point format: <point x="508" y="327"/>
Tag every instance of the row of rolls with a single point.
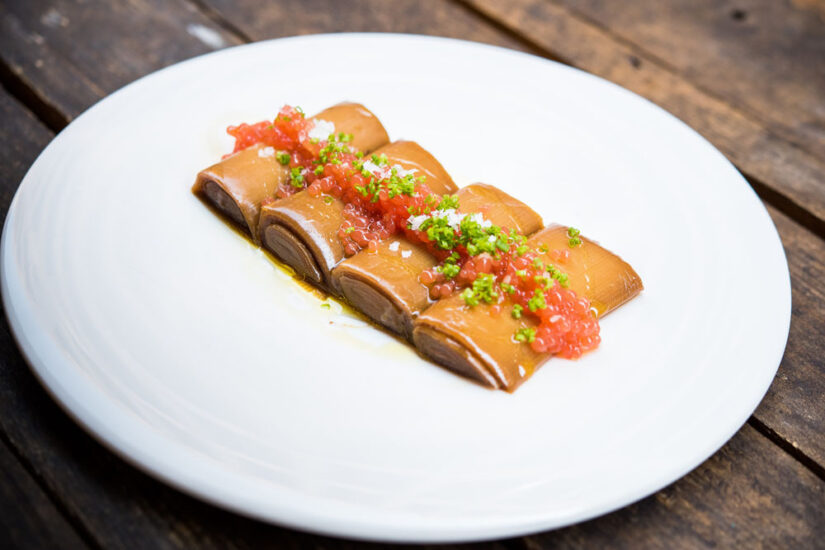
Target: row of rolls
<point x="302" y="231"/>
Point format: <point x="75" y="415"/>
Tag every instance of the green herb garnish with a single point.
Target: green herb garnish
<point x="483" y="289"/>
<point x="525" y="335"/>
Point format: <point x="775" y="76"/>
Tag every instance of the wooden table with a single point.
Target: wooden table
<point x="749" y="75"/>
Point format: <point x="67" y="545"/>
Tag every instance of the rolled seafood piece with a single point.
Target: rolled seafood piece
<point x="302" y="230"/>
<point x="385" y="285"/>
<point x="478" y="342"/>
<point x="238" y="185"/>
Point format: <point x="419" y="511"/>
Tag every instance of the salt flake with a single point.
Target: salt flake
<point x="321" y="130"/>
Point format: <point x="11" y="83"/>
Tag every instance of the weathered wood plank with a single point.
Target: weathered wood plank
<point x="797" y="176"/>
<point x="766" y="57"/>
<point x="71" y="54"/>
<point x="748" y="495"/>
<point x="295" y="17"/>
<point x="28" y="519"/>
<point x="794" y="407"/>
<point x="23" y="137"/>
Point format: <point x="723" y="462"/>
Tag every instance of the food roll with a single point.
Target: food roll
<point x="238" y="185"/>
<point x="302" y="230"/>
<point x="478" y="342"/>
<point x="385" y="285"/>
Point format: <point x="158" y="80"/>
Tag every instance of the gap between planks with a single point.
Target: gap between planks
<point x="210" y="13"/>
<point x="791" y="449"/>
<point x="79" y="527"/>
<point x="47" y="113"/>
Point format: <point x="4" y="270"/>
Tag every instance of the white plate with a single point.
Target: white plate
<point x="181" y="347"/>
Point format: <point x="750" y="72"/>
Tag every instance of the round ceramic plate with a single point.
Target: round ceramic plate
<point x="186" y="351"/>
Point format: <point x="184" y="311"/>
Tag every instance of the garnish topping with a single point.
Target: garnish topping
<point x="481" y="261"/>
<point x="526" y="335"/>
<point x="574" y="239"/>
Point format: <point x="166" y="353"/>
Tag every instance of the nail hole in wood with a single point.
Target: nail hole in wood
<point x="738" y="14"/>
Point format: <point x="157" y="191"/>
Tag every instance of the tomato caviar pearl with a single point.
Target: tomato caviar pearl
<point x="427" y="277"/>
<point x="560" y="256"/>
<point x="359" y="236"/>
<point x="521" y="262"/>
<point x="483" y="263"/>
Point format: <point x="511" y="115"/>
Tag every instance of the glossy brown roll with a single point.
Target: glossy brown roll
<point x="478" y="343"/>
<point x="238" y="185"/>
<point x="302" y="230"/>
<point x="384" y="285"/>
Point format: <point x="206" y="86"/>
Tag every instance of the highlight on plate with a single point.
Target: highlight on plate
<point x="471" y="277"/>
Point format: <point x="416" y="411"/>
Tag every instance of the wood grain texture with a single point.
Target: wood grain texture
<point x="28" y="519"/>
<point x="23" y="137"/>
<point x="794" y="407"/>
<point x="71" y="54"/>
<point x="748" y="495"/>
<point x="795" y="175"/>
<point x="766" y="57"/>
<point x="297" y="17"/>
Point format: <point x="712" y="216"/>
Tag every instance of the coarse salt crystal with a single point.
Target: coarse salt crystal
<point x="322" y="129"/>
<point x="406" y="253"/>
<point x="265" y="152"/>
<point x="454" y="219"/>
<point x="394" y="245"/>
<point x="416" y="221"/>
<point x="376" y="170"/>
<point x="400" y="172"/>
<point x="479" y="219"/>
